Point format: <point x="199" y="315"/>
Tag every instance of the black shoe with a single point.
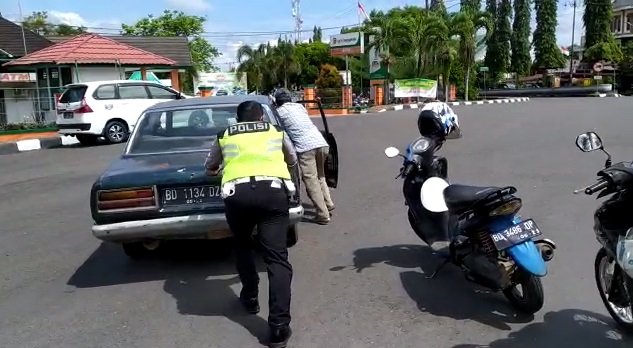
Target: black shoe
<point x="250" y="304"/>
<point x="279" y="336"/>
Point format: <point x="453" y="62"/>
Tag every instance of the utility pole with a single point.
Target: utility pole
<point x="296" y="14"/>
<point x="571" y="49"/>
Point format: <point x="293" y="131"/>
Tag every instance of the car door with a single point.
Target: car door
<point x="331" y="161"/>
<point x="133" y="99"/>
<point x="159" y="94"/>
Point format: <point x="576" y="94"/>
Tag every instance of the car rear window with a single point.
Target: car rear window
<point x="181" y="130"/>
<point x="73" y="94"/>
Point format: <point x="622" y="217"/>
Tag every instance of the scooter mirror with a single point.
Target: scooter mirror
<point x="392" y="152"/>
<point x="588" y="142"/>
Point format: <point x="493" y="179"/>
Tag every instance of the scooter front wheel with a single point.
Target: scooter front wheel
<point x="414" y="226"/>
<point x="609" y="275"/>
<point x="526" y="292"/>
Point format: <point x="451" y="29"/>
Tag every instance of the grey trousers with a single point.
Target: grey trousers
<point x="312" y="164"/>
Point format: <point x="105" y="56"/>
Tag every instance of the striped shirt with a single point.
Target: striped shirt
<point x="297" y="123"/>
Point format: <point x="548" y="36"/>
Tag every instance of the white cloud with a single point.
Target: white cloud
<point x="192" y="5"/>
<point x="68" y="18"/>
<point x="230" y="48"/>
<point x="74" y="19"/>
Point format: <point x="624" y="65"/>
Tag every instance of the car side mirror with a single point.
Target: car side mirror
<point x="588" y="142"/>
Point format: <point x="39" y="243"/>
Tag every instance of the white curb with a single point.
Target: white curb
<point x="28" y="145"/>
<point x="477" y="102"/>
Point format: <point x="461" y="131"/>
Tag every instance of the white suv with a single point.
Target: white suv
<point x="107" y="109"/>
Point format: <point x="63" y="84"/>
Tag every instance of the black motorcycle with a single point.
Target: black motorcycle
<point x="476" y="228"/>
<point x="613" y="222"/>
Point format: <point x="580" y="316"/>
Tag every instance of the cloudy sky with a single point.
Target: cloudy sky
<point x="235" y="22"/>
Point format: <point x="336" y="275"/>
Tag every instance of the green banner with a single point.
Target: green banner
<point x="415" y="88"/>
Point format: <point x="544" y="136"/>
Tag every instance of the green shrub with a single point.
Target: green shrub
<point x="27" y="126"/>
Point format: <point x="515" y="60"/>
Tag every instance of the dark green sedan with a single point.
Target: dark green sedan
<point x="158" y="188"/>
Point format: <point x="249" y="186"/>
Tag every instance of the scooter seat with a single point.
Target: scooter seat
<point x="461" y="198"/>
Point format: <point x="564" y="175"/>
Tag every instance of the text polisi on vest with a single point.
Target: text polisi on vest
<point x="250" y="127"/>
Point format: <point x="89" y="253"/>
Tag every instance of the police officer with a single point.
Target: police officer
<point x="256" y="187"/>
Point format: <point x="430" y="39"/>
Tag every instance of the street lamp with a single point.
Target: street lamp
<point x="571" y="49"/>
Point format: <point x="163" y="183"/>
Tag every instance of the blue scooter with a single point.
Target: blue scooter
<point x="476" y="228"/>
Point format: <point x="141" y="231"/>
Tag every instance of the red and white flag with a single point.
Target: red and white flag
<point x="361" y="8"/>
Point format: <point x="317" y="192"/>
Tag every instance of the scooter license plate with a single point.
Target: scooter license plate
<point x="516" y="234"/>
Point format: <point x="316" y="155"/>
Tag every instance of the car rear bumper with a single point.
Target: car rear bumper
<point x="199" y="226"/>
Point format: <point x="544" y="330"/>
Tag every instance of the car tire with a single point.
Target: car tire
<point x="87" y="139"/>
<point x="116" y="132"/>
<point x="141" y="250"/>
<point x="292" y="236"/>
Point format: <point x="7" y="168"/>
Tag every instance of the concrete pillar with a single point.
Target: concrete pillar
<point x="175" y="80"/>
<point x="347" y="96"/>
<point x="309" y="94"/>
<point x="379" y="92"/>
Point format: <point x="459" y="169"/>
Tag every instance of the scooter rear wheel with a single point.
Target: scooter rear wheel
<point x="529" y="298"/>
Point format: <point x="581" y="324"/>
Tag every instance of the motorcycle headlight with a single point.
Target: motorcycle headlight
<point x="624" y="252"/>
<point x="420" y="145"/>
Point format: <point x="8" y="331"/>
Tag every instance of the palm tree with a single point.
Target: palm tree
<point x="252" y="61"/>
<point x="442" y="47"/>
<point x="465" y="24"/>
<point x="284" y="54"/>
<point x="386" y="32"/>
<point x="416" y="41"/>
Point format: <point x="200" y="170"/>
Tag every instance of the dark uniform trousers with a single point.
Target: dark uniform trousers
<point x="258" y="204"/>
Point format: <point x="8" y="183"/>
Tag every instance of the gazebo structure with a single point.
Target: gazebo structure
<point x="84" y="58"/>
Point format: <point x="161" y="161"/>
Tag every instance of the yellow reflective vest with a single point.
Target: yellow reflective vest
<point x="252" y="149"/>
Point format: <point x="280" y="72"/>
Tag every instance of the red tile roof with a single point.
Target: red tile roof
<point x="91" y="49"/>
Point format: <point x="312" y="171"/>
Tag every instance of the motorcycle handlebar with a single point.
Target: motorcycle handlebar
<point x="408" y="169"/>
<point x="600" y="185"/>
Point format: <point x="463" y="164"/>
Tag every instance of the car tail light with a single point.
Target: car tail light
<point x="129" y="199"/>
<point x="84" y="107"/>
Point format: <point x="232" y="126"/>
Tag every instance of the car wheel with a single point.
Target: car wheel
<point x="292" y="236"/>
<point x="116" y="132"/>
<point x="87" y="140"/>
<point x="140" y="250"/>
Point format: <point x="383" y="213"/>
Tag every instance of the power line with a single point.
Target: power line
<point x="204" y="33"/>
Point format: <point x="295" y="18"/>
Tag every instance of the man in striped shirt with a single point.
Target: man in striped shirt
<point x="312" y="149"/>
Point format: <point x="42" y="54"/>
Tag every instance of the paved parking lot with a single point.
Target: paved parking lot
<point x="358" y="282"/>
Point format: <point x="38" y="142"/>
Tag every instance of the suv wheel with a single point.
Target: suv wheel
<point x="116" y="132"/>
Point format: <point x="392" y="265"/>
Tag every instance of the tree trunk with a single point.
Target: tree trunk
<point x="445" y="78"/>
<point x="467" y="81"/>
<point x="386" y="93"/>
<point x="285" y="76"/>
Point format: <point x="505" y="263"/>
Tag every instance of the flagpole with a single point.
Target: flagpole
<point x="22" y="26"/>
<point x="362" y="56"/>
